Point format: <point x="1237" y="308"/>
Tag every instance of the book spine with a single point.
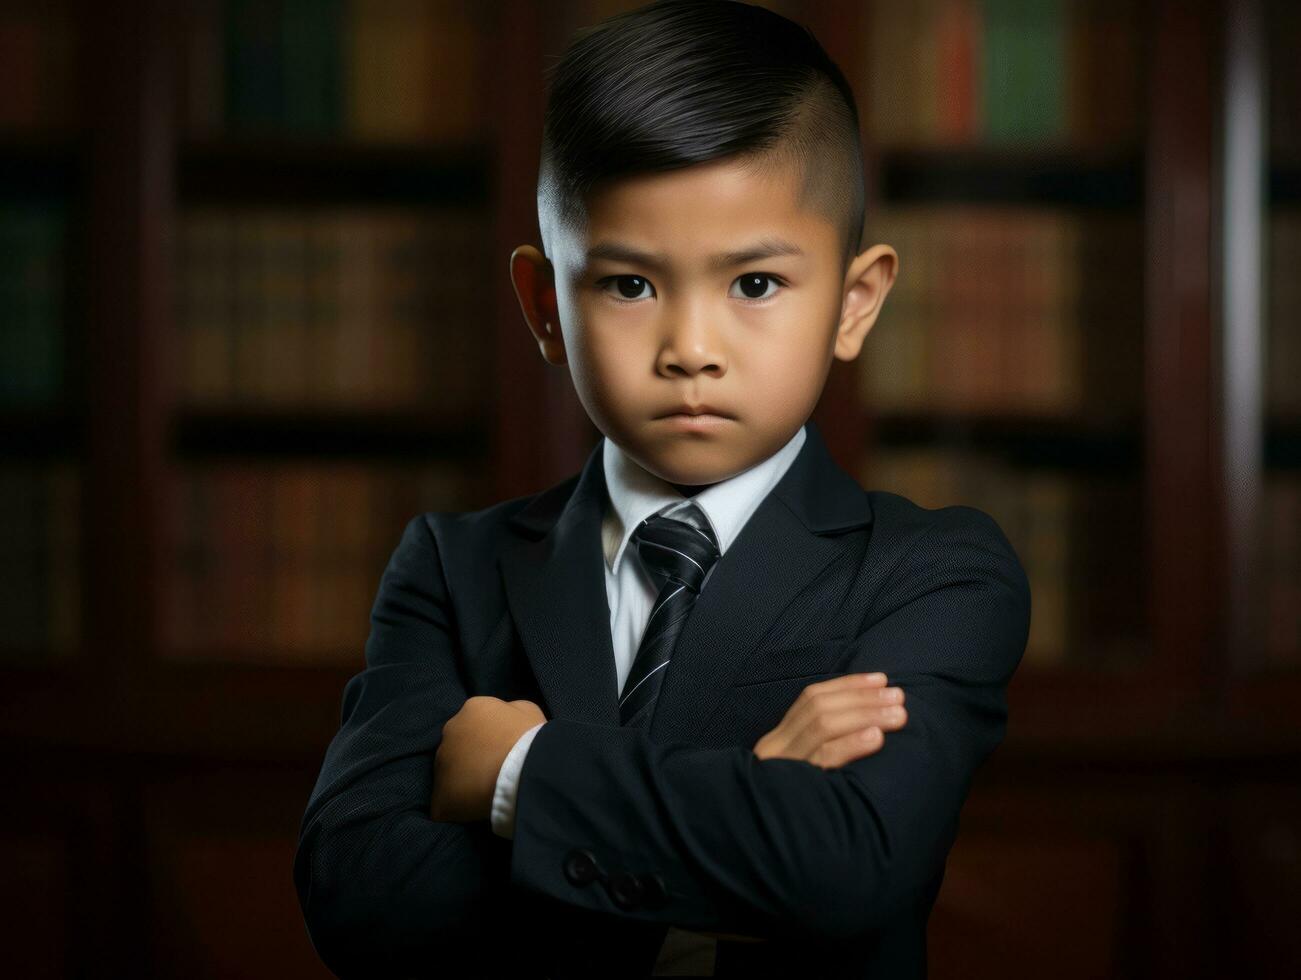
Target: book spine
<point x="254" y="65"/>
<point x="203" y="94"/>
<point x="956" y="37"/>
<point x="312" y="46"/>
<point x="294" y="493"/>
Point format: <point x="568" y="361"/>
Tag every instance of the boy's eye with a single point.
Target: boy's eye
<point x="630" y="287"/>
<point x="752" y="285"/>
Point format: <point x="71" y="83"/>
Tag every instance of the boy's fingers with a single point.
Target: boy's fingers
<point x="847" y="748"/>
<point x="873" y="679"/>
<point x="820" y="704"/>
<point x="862" y="695"/>
<point x="830" y="726"/>
<point x="833" y="709"/>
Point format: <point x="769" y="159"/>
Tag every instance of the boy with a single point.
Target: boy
<point x="602" y="722"/>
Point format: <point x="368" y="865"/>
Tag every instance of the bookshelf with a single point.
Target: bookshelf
<point x="1006" y="371"/>
<point x="256" y="316"/>
<point x="332" y="353"/>
<point x="249" y="329"/>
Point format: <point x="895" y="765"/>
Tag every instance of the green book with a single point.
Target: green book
<point x="1023" y="70"/>
<point x="312" y="43"/>
<point x="33" y="252"/>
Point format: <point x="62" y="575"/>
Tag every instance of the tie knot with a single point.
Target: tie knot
<point x="677" y="549"/>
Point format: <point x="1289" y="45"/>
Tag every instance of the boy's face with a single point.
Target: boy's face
<point x="747" y="341"/>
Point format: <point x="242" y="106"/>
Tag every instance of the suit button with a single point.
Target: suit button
<point x="581" y="867"/>
<point x="656" y="892"/>
<point x="626" y="889"/>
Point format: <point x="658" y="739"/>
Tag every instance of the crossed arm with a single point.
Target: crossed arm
<point x="831" y="723"/>
<point x="746" y="845"/>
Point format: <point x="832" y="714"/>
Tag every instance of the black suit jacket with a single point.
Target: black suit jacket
<point x="622" y="832"/>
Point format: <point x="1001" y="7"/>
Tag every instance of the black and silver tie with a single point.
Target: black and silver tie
<point x="678" y="552"/>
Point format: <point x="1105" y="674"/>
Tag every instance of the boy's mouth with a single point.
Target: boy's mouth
<point x="701" y="412"/>
<point x="695" y="418"/>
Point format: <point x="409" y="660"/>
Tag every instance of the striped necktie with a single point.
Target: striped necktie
<point x="678" y="552"/>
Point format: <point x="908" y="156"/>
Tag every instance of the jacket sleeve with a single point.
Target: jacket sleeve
<point x="769" y="847"/>
<point x="383" y="888"/>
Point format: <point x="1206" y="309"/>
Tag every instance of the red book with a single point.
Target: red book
<point x="956" y="27"/>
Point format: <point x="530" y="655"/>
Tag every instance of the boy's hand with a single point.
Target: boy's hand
<point x="836" y="721"/>
<point x="476" y="741"/>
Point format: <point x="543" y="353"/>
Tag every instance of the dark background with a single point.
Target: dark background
<point x="255" y="314"/>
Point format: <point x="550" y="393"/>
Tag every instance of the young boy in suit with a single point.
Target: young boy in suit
<point x="647" y="707"/>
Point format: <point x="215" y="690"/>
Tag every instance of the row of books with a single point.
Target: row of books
<point x="38" y="49"/>
<point x="33" y="288"/>
<point x="40" y="552"/>
<point x="1087" y="607"/>
<point x="280" y="562"/>
<point x="1030" y="311"/>
<point x="1003" y="72"/>
<point x="935" y="71"/>
<point x="364" y="308"/>
<point x="378" y="70"/>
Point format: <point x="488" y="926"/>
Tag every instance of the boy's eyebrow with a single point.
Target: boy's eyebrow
<point x="762" y="249"/>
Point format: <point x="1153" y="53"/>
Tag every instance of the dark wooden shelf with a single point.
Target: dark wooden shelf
<point x="1283" y="444"/>
<point x="295" y="435"/>
<point x="41" y="433"/>
<point x="40" y="165"/>
<point x="995" y="175"/>
<point x="332" y="172"/>
<point x="173" y="708"/>
<point x="1025" y="441"/>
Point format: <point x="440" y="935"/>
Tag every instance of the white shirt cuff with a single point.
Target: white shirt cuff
<point x="503" y="796"/>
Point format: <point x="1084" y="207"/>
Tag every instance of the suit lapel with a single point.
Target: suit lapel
<point x="554" y="575"/>
<point x="553" y="571"/>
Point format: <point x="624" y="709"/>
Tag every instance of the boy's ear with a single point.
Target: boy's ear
<point x="867" y="281"/>
<point x="532" y="275"/>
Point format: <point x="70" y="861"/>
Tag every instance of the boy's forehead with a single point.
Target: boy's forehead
<point x="705" y="211"/>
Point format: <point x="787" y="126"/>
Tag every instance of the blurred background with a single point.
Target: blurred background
<point x="255" y="315"/>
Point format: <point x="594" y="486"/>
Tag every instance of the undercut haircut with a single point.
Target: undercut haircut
<point x="681" y="82"/>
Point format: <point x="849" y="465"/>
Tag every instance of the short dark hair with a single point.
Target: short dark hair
<point x="680" y="82"/>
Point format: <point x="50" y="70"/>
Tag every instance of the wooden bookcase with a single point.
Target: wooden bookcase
<point x="1143" y="817"/>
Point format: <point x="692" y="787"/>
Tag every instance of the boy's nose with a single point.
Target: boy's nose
<point x="691" y="347"/>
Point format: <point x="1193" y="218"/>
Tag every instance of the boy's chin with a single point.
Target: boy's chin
<point x="674" y="465"/>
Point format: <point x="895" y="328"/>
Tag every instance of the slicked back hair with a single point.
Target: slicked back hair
<point x="681" y="82"/>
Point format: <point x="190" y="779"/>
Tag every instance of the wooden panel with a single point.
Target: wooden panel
<point x="1089" y="868"/>
<point x="1051" y="905"/>
<point x="221" y="894"/>
<point x="37" y="880"/>
<point x="1262" y="894"/>
<point x="67" y="862"/>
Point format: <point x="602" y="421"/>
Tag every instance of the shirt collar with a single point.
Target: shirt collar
<point x="634" y="494"/>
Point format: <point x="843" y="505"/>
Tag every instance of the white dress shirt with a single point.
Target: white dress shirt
<point x="633" y="494"/>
